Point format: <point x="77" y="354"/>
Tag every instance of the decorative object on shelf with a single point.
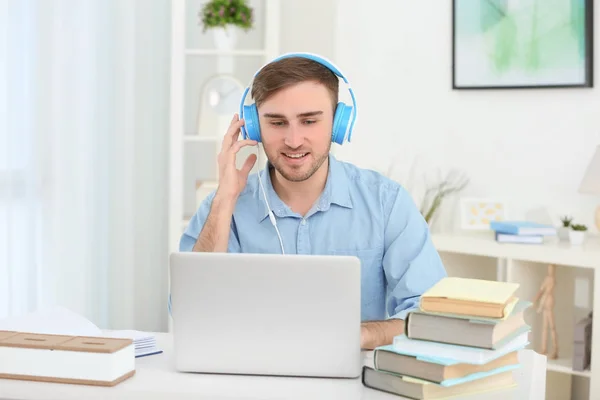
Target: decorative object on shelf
<point x="220" y="100"/>
<point x="225" y="18"/>
<point x="520" y="44"/>
<point x="582" y="343"/>
<point x="435" y="193"/>
<point x="590" y="183"/>
<point x="424" y="180"/>
<point x="478" y="213"/>
<point x="545" y="297"/>
<point x="563" y="231"/>
<point x="577" y="234"/>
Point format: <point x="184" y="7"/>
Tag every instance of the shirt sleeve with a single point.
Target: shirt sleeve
<point x="411" y="263"/>
<point x="192" y="231"/>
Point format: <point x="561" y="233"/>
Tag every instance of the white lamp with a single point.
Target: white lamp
<point x="591" y="181"/>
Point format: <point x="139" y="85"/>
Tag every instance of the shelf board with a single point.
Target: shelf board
<point x="202" y="139"/>
<point x="564" y="365"/>
<point x="215" y="52"/>
<point x="551" y="252"/>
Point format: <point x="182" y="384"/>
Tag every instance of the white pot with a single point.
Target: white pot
<point x="563" y="233"/>
<point x="577" y="237"/>
<point x="225" y="38"/>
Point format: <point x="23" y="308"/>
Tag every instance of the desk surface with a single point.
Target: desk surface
<point x="156" y="379"/>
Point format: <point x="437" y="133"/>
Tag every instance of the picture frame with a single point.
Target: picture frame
<point x="519" y="44"/>
<point x="477" y="213"/>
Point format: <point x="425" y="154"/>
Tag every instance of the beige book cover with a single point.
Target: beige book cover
<point x="467" y="296"/>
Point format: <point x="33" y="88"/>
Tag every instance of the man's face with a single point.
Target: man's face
<point x="295" y="125"/>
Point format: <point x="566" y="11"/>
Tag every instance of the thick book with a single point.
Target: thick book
<point x="83" y="360"/>
<point x="474" y="297"/>
<point x="487" y="333"/>
<point x="385" y="358"/>
<point x="423" y="390"/>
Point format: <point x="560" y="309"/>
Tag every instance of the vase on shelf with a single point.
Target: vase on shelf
<point x="225" y="38"/>
<point x="563" y="233"/>
<point x="577" y="237"/>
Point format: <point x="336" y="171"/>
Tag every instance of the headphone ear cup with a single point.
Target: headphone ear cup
<point x="252" y="127"/>
<point x="340" y="122"/>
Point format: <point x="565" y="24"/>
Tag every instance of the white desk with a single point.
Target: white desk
<point x="156" y="379"/>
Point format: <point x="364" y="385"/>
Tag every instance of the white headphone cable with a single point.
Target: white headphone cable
<point x="271" y="216"/>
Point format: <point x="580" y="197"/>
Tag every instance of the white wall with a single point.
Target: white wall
<point x="528" y="147"/>
<point x="308" y="25"/>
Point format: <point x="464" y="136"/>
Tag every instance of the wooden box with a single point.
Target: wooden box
<point x="66" y="359"/>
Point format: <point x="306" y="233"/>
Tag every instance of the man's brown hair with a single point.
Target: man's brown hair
<point x="290" y="71"/>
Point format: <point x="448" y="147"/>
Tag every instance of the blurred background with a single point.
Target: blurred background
<point x="113" y="110"/>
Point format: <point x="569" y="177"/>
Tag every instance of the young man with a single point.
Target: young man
<point x="321" y="205"/>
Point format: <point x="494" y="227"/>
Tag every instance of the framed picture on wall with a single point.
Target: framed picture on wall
<point x="477" y="213"/>
<point x="502" y="44"/>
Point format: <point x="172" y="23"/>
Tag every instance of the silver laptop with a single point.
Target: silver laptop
<point x="266" y="314"/>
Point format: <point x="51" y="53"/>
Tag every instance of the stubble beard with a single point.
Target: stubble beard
<point x="311" y="171"/>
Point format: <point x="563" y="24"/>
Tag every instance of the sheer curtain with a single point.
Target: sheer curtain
<point x="83" y="159"/>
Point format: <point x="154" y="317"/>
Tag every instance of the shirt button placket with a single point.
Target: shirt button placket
<point x="303" y="244"/>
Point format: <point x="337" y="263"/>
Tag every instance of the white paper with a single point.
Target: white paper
<point x="137" y="336"/>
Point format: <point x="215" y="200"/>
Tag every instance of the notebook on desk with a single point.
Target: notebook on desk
<point x="145" y="343"/>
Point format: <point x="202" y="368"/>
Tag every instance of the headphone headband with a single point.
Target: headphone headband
<point x="321" y="60"/>
<point x="343" y="114"/>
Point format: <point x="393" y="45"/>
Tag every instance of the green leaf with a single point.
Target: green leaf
<point x="220" y="13"/>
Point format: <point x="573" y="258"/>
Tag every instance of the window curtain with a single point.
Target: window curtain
<point x="83" y="159"/>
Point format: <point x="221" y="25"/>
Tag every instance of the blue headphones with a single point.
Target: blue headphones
<point x="344" y="115"/>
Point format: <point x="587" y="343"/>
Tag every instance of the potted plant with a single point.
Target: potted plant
<point x="577" y="234"/>
<point x="225" y="18"/>
<point x="563" y="231"/>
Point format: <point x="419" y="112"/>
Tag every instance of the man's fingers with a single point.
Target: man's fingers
<point x="232" y="133"/>
<point x="242" y="143"/>
<point x="248" y="164"/>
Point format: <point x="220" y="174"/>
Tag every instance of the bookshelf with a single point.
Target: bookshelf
<point x="194" y="61"/>
<point x="478" y="255"/>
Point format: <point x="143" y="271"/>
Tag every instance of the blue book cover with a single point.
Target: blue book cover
<point x="525" y="228"/>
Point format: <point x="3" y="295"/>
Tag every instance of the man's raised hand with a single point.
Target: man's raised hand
<point x="232" y="181"/>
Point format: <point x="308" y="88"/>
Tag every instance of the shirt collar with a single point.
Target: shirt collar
<point x="336" y="191"/>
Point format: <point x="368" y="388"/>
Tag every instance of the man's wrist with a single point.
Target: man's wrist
<point x="366" y="336"/>
<point x="224" y="202"/>
<point x="380" y="333"/>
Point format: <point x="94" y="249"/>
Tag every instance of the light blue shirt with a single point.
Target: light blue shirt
<point x="360" y="213"/>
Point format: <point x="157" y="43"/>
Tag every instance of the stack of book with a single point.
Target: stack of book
<point x="521" y="231"/>
<point x="463" y="339"/>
